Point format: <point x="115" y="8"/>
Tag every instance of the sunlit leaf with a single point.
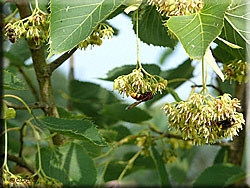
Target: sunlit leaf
<point x="210" y="60"/>
<point x="235" y="29"/>
<point x="197" y="31"/>
<point x="73" y="21"/>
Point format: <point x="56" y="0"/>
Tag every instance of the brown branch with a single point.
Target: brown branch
<point x="42" y="70"/>
<point x="29" y="82"/>
<point x="19" y="161"/>
<point x="36" y="105"/>
<point x="60" y="60"/>
<point x="210" y="85"/>
<point x="167" y="135"/>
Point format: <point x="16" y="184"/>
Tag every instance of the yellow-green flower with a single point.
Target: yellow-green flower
<point x="204" y="119"/>
<point x="177" y="7"/>
<point x="139" y="81"/>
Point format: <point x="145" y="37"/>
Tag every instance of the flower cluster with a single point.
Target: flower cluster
<point x="15" y="181"/>
<point x="204" y="119"/>
<point x="34" y="27"/>
<point x="101" y="32"/>
<point x="177" y="7"/>
<point x="236" y="70"/>
<point x="139" y="81"/>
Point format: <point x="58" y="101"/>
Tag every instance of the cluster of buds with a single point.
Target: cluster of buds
<point x="144" y="141"/>
<point x="11" y="180"/>
<point x="177" y="7"/>
<point x="34" y="27"/>
<point x="236" y="70"/>
<point x="204" y="119"/>
<point x="139" y="81"/>
<point x="101" y="32"/>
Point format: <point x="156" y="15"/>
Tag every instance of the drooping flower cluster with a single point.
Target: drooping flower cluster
<point x="101" y="32"/>
<point x="204" y="119"/>
<point x="139" y="81"/>
<point x="34" y="27"/>
<point x="236" y="70"/>
<point x="14" y="180"/>
<point x="177" y="7"/>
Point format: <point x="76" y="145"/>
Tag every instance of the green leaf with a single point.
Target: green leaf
<point x="221" y="155"/>
<point x="151" y="29"/>
<point x="92" y="149"/>
<point x="10" y="81"/>
<point x="222" y="55"/>
<point x="79" y="129"/>
<point x="73" y="21"/>
<point x="63" y="113"/>
<point x="18" y="53"/>
<point x="126" y="69"/>
<point x="217" y="175"/>
<point x="70" y="164"/>
<point x="235" y="29"/>
<point x="174" y="94"/>
<point x="122" y="132"/>
<point x="197" y="31"/>
<point x="108" y="134"/>
<point x="89" y="98"/>
<point x="227" y="87"/>
<point x="160" y="167"/>
<point x="117" y="111"/>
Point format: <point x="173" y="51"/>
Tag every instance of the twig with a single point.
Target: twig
<point x="21" y="140"/>
<point x="167" y="135"/>
<point x="210" y="85"/>
<point x="60" y="60"/>
<point x="71" y="77"/>
<point x="20" y="161"/>
<point x="29" y="82"/>
<point x="36" y="105"/>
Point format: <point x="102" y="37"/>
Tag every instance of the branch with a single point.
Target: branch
<point x="60" y="60"/>
<point x="21" y="140"/>
<point x="19" y="161"/>
<point x="29" y="82"/>
<point x="42" y="70"/>
<point x="36" y="105"/>
<point x="167" y="135"/>
<point x="210" y="85"/>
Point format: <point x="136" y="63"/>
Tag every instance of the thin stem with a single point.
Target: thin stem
<point x="5" y="146"/>
<point x="137" y="39"/>
<point x="35" y="105"/>
<point x="37" y="4"/>
<point x="130" y="162"/>
<point x="203" y="76"/>
<point x="16" y="97"/>
<point x="180" y="80"/>
<point x="11" y="15"/>
<point x="106" y="166"/>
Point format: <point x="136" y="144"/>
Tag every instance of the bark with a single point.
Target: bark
<point x="42" y="72"/>
<point x="238" y="145"/>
